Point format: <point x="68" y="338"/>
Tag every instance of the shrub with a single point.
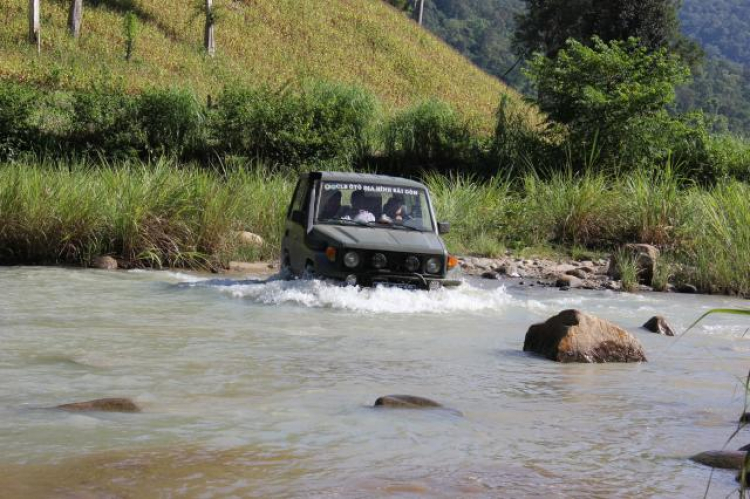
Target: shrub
<point x="517" y="146"/>
<point x="170" y="121"/>
<point x="430" y="134"/>
<point x="322" y="122"/>
<point x="105" y="120"/>
<point x="17" y="105"/>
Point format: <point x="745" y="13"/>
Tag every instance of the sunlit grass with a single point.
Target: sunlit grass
<point x="274" y="42"/>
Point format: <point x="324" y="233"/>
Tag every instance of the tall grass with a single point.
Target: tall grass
<point x="144" y="214"/>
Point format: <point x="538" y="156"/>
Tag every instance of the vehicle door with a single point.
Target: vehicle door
<point x="297" y="225"/>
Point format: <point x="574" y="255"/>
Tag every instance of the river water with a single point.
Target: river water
<point x="253" y="389"/>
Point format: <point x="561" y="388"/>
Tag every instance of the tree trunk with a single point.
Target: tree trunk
<point x="208" y="39"/>
<point x="418" y="11"/>
<point x="35" y="35"/>
<point x="74" y="17"/>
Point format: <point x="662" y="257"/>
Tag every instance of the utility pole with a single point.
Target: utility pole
<point x="35" y="35"/>
<point x="74" y="18"/>
<point x="208" y="39"/>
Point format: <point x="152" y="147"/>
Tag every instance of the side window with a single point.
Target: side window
<point x="300" y="194"/>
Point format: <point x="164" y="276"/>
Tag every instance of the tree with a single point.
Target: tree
<point x="35" y="35"/>
<point x="74" y="18"/>
<point x="611" y="96"/>
<point x="548" y="24"/>
<point x="208" y="38"/>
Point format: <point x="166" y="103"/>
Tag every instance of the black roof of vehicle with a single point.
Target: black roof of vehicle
<point x="366" y="178"/>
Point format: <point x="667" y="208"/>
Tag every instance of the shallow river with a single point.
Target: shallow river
<point x="264" y="390"/>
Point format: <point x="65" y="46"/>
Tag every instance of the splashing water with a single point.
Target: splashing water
<point x="381" y="299"/>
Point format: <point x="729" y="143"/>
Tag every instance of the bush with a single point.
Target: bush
<point x="430" y="135"/>
<point x="517" y="146"/>
<point x="17" y="104"/>
<point x="170" y="121"/>
<point x="322" y="122"/>
<point x="105" y="121"/>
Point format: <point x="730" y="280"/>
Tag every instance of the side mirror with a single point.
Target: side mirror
<point x="444" y="227"/>
<point x="298" y="217"/>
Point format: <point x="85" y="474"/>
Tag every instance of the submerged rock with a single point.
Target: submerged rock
<point x="745" y="418"/>
<point x="405" y="402"/>
<point x="745" y="448"/>
<point x="722" y="459"/>
<point x="103" y="405"/>
<point x="658" y="324"/>
<point x="568" y="281"/>
<point x="104" y="263"/>
<point x="573" y="336"/>
<point x="687" y="289"/>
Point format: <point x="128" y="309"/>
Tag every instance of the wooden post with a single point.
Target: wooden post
<point x="74" y="18"/>
<point x="208" y="40"/>
<point x="35" y="35"/>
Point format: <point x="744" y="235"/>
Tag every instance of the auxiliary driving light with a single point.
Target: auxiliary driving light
<point x="351" y="259"/>
<point x="432" y="266"/>
<point x="379" y="261"/>
<point x="412" y="263"/>
<point x="351" y="280"/>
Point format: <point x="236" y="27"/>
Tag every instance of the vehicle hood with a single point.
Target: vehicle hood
<point x="382" y="239"/>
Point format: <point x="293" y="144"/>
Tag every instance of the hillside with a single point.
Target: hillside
<point x="275" y="42"/>
<point x="721" y="26"/>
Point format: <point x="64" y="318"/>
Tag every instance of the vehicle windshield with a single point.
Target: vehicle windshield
<point x="374" y="205"/>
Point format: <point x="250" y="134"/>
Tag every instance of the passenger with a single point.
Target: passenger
<point x="331" y="207"/>
<point x="395" y="208"/>
<point x="359" y="211"/>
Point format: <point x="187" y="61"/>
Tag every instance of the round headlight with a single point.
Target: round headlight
<point x="412" y="263"/>
<point x="351" y="259"/>
<point x="379" y="260"/>
<point x="432" y="266"/>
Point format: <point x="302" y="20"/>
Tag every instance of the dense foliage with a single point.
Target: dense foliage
<point x="482" y="30"/>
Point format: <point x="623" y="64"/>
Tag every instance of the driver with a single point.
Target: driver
<point x="395" y="208"/>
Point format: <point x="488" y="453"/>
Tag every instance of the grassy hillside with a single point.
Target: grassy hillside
<point x="278" y="42"/>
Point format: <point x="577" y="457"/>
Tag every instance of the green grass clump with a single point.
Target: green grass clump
<point x="144" y="214"/>
<point x="627" y="269"/>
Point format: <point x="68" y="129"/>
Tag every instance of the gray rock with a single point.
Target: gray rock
<point x="659" y="324"/>
<point x="490" y="275"/>
<point x="104" y="263"/>
<point x="687" y="289"/>
<point x="645" y="256"/>
<point x="568" y="281"/>
<point x="406" y="402"/>
<point x="579" y="273"/>
<point x="745" y="448"/>
<point x="723" y="459"/>
<point x="102" y="405"/>
<point x="573" y="336"/>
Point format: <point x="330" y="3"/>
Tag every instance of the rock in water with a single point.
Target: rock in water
<point x="572" y="336"/>
<point x="745" y="448"/>
<point x="103" y="405"/>
<point x="405" y="402"/>
<point x="659" y="324"/>
<point x="568" y="281"/>
<point x="104" y="262"/>
<point x="723" y="459"/>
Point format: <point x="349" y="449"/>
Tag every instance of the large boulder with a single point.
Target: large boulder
<point x="658" y="324"/>
<point x="645" y="257"/>
<point x="573" y="336"/>
<point x="102" y="405"/>
<point x="723" y="459"/>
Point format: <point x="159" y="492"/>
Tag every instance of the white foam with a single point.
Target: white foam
<point x="321" y="294"/>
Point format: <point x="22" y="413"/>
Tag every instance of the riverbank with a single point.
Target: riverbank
<point x="162" y="214"/>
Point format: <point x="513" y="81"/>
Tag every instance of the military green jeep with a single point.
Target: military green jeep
<point x="365" y="230"/>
